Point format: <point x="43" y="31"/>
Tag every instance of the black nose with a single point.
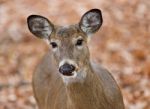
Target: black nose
<point x="66" y="69"/>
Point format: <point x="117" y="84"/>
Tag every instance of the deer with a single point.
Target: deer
<point x="66" y="78"/>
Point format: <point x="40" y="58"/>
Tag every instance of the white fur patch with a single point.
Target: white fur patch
<point x="80" y="47"/>
<point x="76" y="77"/>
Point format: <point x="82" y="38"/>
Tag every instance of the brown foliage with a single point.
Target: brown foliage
<point x="122" y="45"/>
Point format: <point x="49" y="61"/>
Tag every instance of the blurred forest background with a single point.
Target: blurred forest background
<point x="122" y="45"/>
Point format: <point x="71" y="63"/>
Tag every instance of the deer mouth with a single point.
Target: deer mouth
<point x="67" y="74"/>
<point x="70" y="75"/>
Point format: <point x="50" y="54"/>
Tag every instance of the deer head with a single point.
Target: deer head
<point x="69" y="43"/>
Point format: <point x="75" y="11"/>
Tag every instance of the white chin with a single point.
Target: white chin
<point x="75" y="77"/>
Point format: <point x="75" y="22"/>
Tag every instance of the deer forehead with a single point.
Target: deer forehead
<point x="67" y="33"/>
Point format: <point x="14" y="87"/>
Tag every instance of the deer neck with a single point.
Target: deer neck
<point x="87" y="94"/>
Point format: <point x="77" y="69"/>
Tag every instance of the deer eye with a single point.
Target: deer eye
<point x="53" y="44"/>
<point x="79" y="42"/>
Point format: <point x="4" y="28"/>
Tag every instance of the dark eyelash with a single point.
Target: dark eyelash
<point x="79" y="42"/>
<point x="53" y="44"/>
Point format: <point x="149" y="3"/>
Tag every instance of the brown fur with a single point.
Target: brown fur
<point x="90" y="86"/>
<point x="98" y="91"/>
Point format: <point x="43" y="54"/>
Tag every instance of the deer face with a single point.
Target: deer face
<point x="69" y="44"/>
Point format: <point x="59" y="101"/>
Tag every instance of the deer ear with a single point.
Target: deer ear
<point x="40" y="26"/>
<point x="91" y="21"/>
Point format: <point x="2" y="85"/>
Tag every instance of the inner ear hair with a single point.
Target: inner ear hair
<point x="40" y="26"/>
<point x="91" y="21"/>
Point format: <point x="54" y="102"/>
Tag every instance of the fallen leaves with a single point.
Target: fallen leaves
<point x="122" y="45"/>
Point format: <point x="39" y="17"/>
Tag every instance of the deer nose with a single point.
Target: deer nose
<point x="67" y="69"/>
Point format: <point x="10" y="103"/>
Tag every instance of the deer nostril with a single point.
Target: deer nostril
<point x="66" y="69"/>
